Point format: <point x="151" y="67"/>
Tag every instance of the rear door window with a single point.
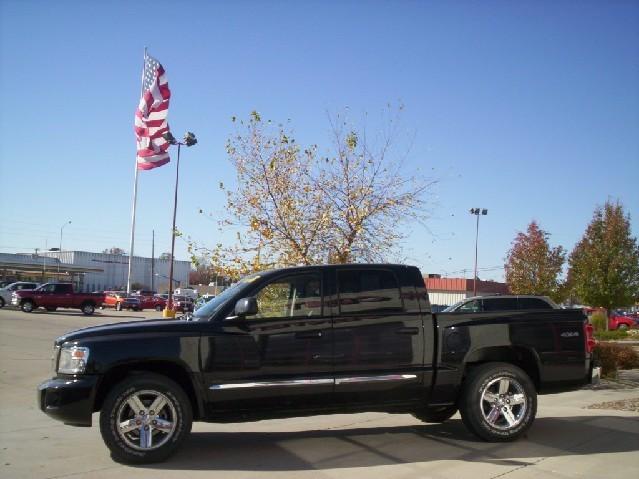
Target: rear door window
<point x="500" y="304"/>
<point x="62" y="288"/>
<point x="533" y="303"/>
<point x="368" y="291"/>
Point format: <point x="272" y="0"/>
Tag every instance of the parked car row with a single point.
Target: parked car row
<point x="29" y="296"/>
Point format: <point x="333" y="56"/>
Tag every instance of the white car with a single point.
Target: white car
<point x="5" y="293"/>
<point x="188" y="292"/>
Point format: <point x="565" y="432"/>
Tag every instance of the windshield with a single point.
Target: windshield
<point x="215" y="304"/>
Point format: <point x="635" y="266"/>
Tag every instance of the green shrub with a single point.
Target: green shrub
<point x="614" y="356"/>
<point x="598" y="320"/>
<point x="611" y="335"/>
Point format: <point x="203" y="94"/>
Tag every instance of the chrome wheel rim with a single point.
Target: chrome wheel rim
<point x="87" y="309"/>
<point x="28" y="306"/>
<point x="146" y="420"/>
<point x="503" y="403"/>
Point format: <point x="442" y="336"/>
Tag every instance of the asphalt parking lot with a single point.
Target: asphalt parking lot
<point x="566" y="440"/>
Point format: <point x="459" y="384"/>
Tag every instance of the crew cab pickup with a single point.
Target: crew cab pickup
<point x="315" y="340"/>
<point x="52" y="296"/>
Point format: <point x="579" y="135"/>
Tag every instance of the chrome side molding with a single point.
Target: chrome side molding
<point x="266" y="384"/>
<point x="315" y="382"/>
<point x="370" y="379"/>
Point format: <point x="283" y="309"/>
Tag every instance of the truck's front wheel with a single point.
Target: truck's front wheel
<point x="498" y="401"/>
<point x="88" y="309"/>
<point x="145" y="418"/>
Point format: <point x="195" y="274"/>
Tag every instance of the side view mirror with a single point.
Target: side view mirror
<point x="246" y="306"/>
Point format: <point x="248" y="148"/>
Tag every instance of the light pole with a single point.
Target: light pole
<point x="60" y="253"/>
<point x="477" y="212"/>
<point x="189" y="140"/>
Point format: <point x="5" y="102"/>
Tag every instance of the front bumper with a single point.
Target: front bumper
<point x="68" y="400"/>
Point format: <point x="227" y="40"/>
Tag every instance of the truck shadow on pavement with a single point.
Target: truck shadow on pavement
<point x="375" y="446"/>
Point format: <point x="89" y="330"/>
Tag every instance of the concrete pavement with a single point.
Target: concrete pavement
<point x="566" y="440"/>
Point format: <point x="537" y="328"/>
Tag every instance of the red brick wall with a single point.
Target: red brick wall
<point x="465" y="285"/>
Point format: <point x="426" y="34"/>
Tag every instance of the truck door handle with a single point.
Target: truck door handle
<point x="408" y="330"/>
<point x="309" y="335"/>
<point x="328" y="357"/>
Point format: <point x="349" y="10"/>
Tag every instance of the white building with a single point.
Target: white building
<point x="97" y="271"/>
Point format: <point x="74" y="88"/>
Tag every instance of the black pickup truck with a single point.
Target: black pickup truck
<point x="315" y="340"/>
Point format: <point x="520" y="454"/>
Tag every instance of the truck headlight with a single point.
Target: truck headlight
<point x="73" y="360"/>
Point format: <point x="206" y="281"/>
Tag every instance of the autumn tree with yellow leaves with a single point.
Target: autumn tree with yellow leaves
<point x="293" y="206"/>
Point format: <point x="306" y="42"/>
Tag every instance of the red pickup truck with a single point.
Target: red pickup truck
<point x="52" y="296"/>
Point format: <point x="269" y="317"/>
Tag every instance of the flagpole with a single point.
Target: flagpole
<point x="135" y="199"/>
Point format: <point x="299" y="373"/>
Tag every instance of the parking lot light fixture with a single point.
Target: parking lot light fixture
<point x="60" y="251"/>
<point x="477" y="212"/>
<point x="189" y="140"/>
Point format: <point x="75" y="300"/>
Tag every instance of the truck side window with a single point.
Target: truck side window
<point x="290" y="297"/>
<point x="368" y="291"/>
<point x="62" y="288"/>
<point x="473" y="306"/>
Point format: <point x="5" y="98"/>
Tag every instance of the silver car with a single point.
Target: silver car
<point x="5" y="293"/>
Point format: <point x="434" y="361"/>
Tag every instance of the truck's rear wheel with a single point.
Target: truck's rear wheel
<point x="498" y="402"/>
<point x="88" y="309"/>
<point x="436" y="414"/>
<point x="27" y="306"/>
<point x="144" y="419"/>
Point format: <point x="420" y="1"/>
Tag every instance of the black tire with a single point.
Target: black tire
<point x="1" y="302"/>
<point x="28" y="306"/>
<point x="118" y="307"/>
<point x="121" y="445"/>
<point x="436" y="414"/>
<point x="51" y="309"/>
<point x="88" y="309"/>
<point x="503" y="417"/>
<point x="158" y="308"/>
<point x="622" y="327"/>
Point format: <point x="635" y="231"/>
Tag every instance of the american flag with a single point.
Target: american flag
<point x="150" y="117"/>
